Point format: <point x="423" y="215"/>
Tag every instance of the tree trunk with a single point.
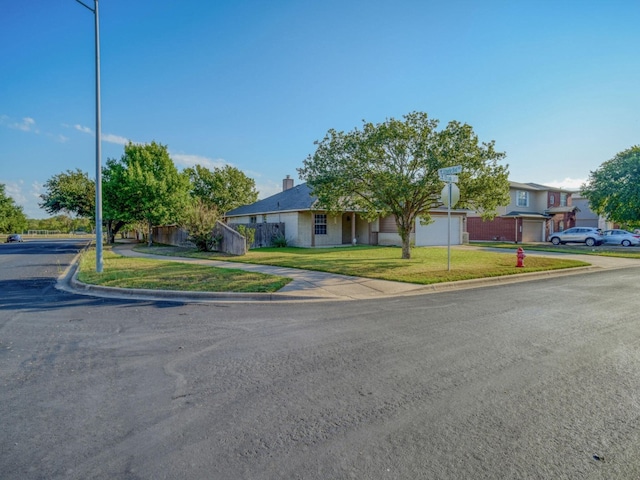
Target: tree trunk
<point x="150" y="234"/>
<point x="405" y="235"/>
<point x="406" y="249"/>
<point x="110" y="236"/>
<point x="115" y="229"/>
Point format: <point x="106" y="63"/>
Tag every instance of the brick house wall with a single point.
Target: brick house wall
<point x="498" y="229"/>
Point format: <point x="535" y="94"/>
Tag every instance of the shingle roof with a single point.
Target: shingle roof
<point x="538" y="187"/>
<point x="294" y="199"/>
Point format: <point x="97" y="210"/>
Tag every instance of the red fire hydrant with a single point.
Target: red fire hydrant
<point x="520" y="256"/>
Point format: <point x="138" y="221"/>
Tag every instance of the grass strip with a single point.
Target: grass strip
<point x="127" y="272"/>
<point x="427" y="264"/>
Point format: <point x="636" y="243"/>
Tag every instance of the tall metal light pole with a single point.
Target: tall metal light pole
<point x="99" y="261"/>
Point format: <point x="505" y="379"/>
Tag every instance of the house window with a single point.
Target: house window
<point x="253" y="219"/>
<point x="264" y="219"/>
<point x="563" y="199"/>
<point x="320" y="224"/>
<point x="522" y="198"/>
<point x="552" y="200"/>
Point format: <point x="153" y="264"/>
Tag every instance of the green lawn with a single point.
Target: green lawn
<point x="127" y="272"/>
<point x="427" y="265"/>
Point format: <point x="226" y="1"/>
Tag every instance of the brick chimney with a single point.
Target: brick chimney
<point x="287" y="183"/>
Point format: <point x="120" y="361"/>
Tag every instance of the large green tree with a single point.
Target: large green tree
<point x="71" y="192"/>
<point x="613" y="190"/>
<point x="115" y="204"/>
<point x="392" y="168"/>
<point x="224" y="188"/>
<point x="145" y="186"/>
<point x="12" y="218"/>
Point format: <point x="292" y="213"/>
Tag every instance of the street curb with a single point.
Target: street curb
<point x="69" y="282"/>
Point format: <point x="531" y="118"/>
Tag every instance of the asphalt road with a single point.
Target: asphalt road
<point x="526" y="380"/>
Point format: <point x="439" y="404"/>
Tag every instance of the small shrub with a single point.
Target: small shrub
<point x="279" y="241"/>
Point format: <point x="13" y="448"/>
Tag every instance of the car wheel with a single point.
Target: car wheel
<point x="555" y="241"/>
<point x="590" y="242"/>
<point x="626" y="243"/>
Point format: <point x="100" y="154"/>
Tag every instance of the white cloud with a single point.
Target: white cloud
<point x="117" y="139"/>
<point x="28" y="199"/>
<point x="106" y="137"/>
<point x="14" y="190"/>
<point x="268" y="188"/>
<point x="568" y="183"/>
<point x="58" y="137"/>
<point x="192" y="160"/>
<point x="83" y="129"/>
<point x="27" y="124"/>
<point x="36" y="189"/>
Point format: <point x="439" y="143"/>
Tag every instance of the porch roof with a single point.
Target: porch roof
<point x="515" y="213"/>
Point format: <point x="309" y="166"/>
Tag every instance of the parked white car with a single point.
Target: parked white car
<point x="621" y="237"/>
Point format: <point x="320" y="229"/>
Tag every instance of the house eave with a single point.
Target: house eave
<point x="535" y="215"/>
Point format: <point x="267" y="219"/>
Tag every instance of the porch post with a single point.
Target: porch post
<point x="353" y="229"/>
<point x="313" y="229"/>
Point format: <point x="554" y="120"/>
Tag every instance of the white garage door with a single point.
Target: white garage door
<point x="436" y="233"/>
<point x="532" y="231"/>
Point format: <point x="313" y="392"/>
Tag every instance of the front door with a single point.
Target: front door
<point x="347" y="218"/>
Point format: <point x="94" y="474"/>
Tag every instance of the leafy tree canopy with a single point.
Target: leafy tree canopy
<point x="71" y="192"/>
<point x="225" y="188"/>
<point x="613" y="190"/>
<point x="392" y="168"/>
<point x="12" y="218"/>
<point x="145" y="185"/>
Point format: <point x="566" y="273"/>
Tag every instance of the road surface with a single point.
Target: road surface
<point x="527" y="380"/>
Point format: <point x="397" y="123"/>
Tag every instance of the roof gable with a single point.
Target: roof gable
<point x="294" y="199"/>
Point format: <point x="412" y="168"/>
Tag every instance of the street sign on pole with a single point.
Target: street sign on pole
<point x="450" y="196"/>
<point x="444" y="172"/>
<point x="450" y="178"/>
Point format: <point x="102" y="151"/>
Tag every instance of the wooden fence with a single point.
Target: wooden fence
<point x="265" y="232"/>
<point x="171" y="235"/>
<point x="231" y="242"/>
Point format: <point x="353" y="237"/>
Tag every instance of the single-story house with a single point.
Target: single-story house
<point x="306" y="225"/>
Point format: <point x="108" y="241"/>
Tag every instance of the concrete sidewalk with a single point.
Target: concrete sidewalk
<point x="308" y="285"/>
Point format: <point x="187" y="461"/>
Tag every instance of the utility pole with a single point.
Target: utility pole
<point x="99" y="261"/>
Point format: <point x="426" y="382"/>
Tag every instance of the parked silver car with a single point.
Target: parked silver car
<point x="587" y="235"/>
<point x="621" y="237"/>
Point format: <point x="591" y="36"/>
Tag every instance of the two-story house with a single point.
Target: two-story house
<point x="533" y="213"/>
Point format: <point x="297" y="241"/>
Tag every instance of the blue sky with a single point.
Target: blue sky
<point x="254" y="83"/>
